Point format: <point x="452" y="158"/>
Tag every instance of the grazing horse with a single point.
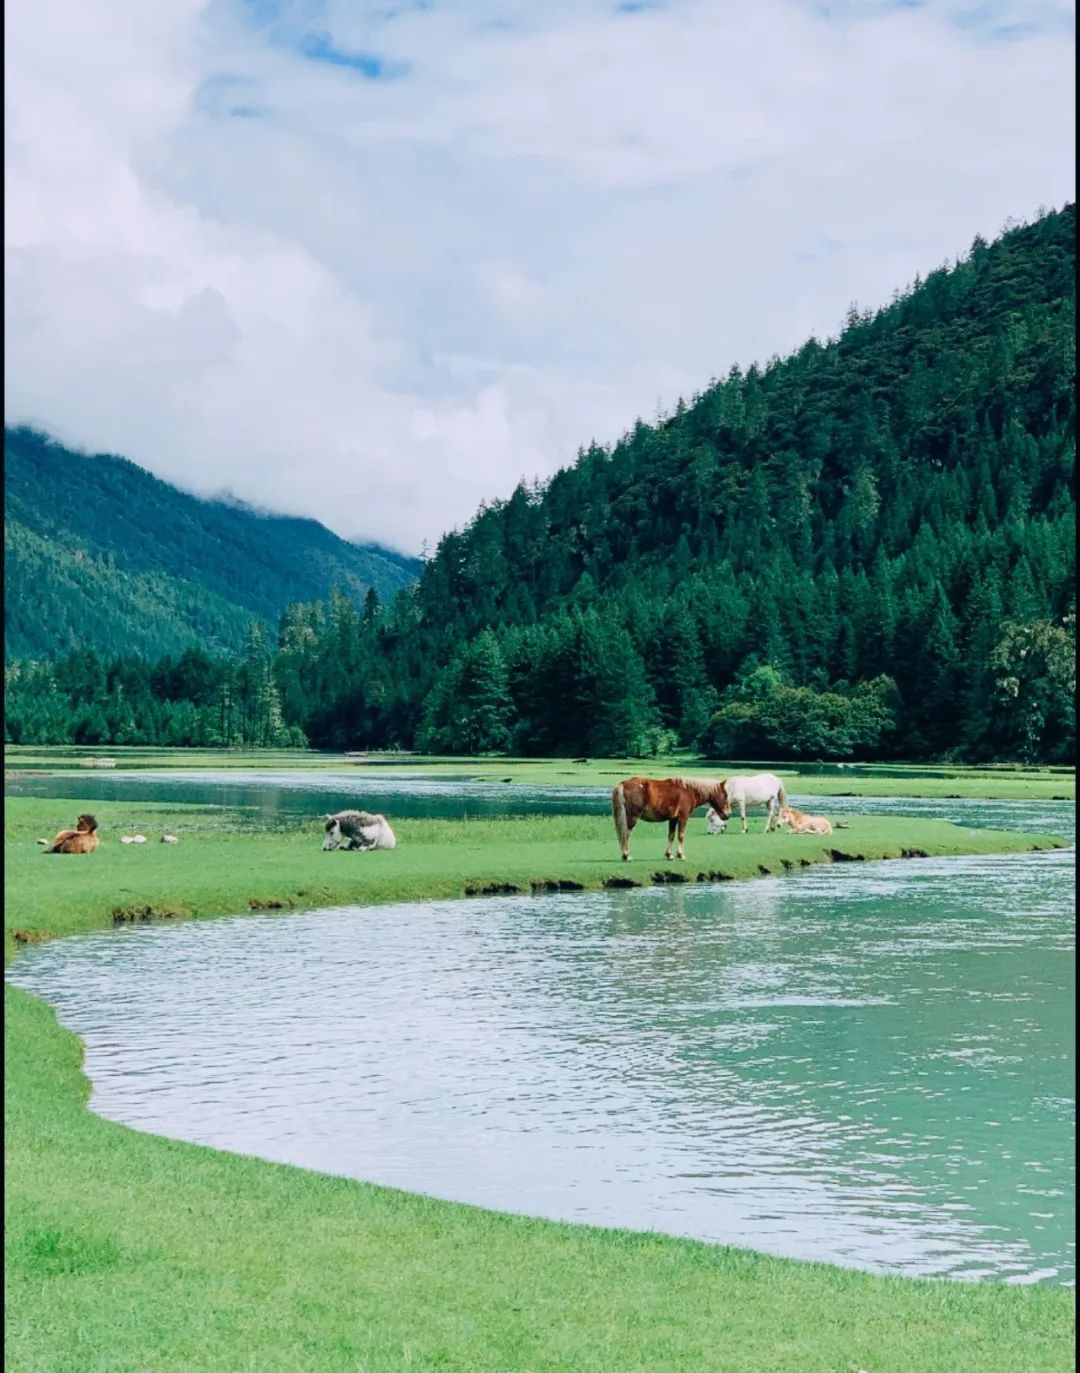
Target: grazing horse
<point x="673" y="799"/>
<point x="82" y="839"/>
<point x="358" y="829"/>
<point x="763" y="789"/>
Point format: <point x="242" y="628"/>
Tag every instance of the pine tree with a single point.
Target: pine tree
<point x="939" y="676"/>
<point x="612" y="711"/>
<point x="485" y="697"/>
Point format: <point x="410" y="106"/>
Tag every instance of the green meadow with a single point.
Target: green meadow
<point x="126" y="1252"/>
<point x="225" y="864"/>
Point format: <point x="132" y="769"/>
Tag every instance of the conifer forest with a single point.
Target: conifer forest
<point x="862" y="550"/>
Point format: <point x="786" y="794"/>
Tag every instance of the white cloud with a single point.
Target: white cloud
<point x="379" y="301"/>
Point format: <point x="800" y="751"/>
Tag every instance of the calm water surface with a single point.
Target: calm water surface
<point x="291" y="798"/>
<point x="866" y="1064"/>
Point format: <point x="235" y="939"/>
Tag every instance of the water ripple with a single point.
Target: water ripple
<point x="870" y="1065"/>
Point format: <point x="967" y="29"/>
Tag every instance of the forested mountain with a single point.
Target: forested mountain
<point x="863" y="549"/>
<point x="101" y="554"/>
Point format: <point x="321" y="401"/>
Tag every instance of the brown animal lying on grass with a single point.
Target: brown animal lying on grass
<point x="82" y="839"/>
<point x="801" y="823"/>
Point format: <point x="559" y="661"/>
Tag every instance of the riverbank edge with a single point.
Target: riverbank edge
<point x="233" y="870"/>
<point x="930" y="1324"/>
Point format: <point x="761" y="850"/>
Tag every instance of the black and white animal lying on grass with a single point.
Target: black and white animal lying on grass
<point x="358" y="829"/>
<point x="716" y="825"/>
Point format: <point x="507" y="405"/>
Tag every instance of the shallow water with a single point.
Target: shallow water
<point x="289" y="798"/>
<point x="868" y="1064"/>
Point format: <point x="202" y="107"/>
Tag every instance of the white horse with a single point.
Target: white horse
<point x="763" y="789"/>
<point x="358" y="829"/>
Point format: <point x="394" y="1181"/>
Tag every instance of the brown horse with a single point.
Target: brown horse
<point x="82" y="839"/>
<point x="673" y="799"/>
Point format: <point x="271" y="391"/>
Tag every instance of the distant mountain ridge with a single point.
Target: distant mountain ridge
<point x="99" y="553"/>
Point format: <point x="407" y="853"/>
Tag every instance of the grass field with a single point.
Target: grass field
<point x="225" y="864"/>
<point x="999" y="782"/>
<point x="127" y="1253"/>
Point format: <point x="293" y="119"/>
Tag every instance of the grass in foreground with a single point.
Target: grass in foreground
<point x="126" y="1252"/>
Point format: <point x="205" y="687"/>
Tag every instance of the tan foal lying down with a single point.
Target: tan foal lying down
<point x="801" y="823"/>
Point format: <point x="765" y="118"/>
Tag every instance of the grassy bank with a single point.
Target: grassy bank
<point x="224" y="864"/>
<point x="126" y="1252"/>
<point x="886" y="779"/>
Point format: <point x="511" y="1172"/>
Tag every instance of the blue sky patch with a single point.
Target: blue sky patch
<point x="319" y="47"/>
<point x="266" y="12"/>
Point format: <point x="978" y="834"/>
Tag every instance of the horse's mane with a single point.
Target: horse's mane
<point x="358" y="817"/>
<point x="705" y="787"/>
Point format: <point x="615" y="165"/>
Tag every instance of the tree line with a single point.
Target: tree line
<point x="577" y="685"/>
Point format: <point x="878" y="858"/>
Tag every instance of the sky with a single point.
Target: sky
<point x="376" y="263"/>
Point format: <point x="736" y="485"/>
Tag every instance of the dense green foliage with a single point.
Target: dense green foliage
<point x="100" y="554"/>
<point x="761" y="716"/>
<point x="864" y="549"/>
<point x="193" y="699"/>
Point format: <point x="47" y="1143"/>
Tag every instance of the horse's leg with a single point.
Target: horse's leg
<point x="631" y="821"/>
<point x="684" y="816"/>
<point x="769" y="816"/>
<point x="742" y="812"/>
<point x="671" y="826"/>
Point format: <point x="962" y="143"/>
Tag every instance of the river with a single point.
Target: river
<point x="869" y="1064"/>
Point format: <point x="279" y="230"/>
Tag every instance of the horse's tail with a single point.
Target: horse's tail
<point x="618" y="810"/>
